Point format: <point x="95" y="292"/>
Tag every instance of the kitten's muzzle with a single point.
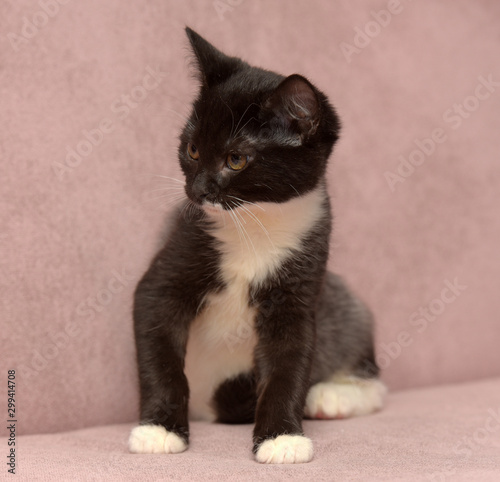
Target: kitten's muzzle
<point x="205" y="190"/>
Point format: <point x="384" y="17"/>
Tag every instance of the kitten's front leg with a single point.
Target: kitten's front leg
<point x="283" y="359"/>
<point x="161" y="325"/>
<point x="164" y="399"/>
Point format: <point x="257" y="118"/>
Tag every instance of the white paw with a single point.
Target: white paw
<point x="155" y="439"/>
<point x="346" y="397"/>
<point x="285" y="449"/>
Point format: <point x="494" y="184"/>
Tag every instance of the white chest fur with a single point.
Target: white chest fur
<point x="254" y="242"/>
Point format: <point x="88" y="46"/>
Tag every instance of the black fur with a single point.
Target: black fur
<point x="256" y="103"/>
<point x="167" y="299"/>
<point x="235" y="399"/>
<point x="308" y="324"/>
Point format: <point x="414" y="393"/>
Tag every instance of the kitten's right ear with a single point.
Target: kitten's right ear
<point x="213" y="65"/>
<point x="295" y="106"/>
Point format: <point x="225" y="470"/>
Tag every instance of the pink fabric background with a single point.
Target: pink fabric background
<point x="73" y="248"/>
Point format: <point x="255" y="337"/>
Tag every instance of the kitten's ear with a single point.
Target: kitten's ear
<point x="295" y="105"/>
<point x="213" y="65"/>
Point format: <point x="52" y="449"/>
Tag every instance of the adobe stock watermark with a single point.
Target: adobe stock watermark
<point x="162" y="411"/>
<point x="120" y="109"/>
<point x="87" y="311"/>
<point x="240" y="335"/>
<point x="469" y="444"/>
<point x="224" y="6"/>
<point x="420" y="320"/>
<point x="363" y="37"/>
<point x="32" y="24"/>
<point x="453" y="118"/>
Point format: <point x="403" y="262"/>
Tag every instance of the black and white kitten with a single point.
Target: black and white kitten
<point x="237" y="319"/>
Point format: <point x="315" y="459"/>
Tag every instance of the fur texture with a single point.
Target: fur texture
<point x="237" y="319"/>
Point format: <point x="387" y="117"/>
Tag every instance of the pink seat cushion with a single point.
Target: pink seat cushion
<point x="442" y="433"/>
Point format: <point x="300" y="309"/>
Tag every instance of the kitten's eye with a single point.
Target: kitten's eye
<point x="236" y="162"/>
<point x="193" y="152"/>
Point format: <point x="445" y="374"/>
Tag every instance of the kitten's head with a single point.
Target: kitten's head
<point x="253" y="135"/>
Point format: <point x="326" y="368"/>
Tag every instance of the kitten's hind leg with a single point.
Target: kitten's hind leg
<point x="344" y="374"/>
<point x="344" y="396"/>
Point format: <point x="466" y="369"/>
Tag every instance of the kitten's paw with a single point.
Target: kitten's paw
<point x="285" y="449"/>
<point x="155" y="439"/>
<point x="345" y="397"/>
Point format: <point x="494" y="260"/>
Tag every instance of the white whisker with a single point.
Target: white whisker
<point x="189" y="209"/>
<point x="183" y="117"/>
<point x="236" y="136"/>
<point x="170" y="178"/>
<point x="232" y="117"/>
<point x="248" y="202"/>
<point x="294" y="189"/>
<point x="171" y="200"/>
<point x="168" y="188"/>
<point x="259" y="223"/>
<point x="231" y="213"/>
<point x="240" y="228"/>
<point x="244" y="230"/>
<point x="168" y="197"/>
<point x="241" y="118"/>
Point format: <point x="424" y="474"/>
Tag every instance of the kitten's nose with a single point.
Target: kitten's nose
<point x="205" y="189"/>
<point x="208" y="197"/>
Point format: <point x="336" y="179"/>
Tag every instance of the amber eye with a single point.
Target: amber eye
<point x="236" y="162"/>
<point x="193" y="152"/>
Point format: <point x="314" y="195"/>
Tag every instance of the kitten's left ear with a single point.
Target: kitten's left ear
<point x="214" y="66"/>
<point x="295" y="105"/>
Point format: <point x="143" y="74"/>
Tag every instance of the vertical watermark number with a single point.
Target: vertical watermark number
<point x="11" y="420"/>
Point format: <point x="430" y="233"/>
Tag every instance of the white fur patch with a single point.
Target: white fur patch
<point x="257" y="238"/>
<point x="155" y="439"/>
<point x="220" y="346"/>
<point x="254" y="242"/>
<point x="344" y="397"/>
<point x="285" y="449"/>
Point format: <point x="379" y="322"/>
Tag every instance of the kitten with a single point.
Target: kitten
<point x="237" y="319"/>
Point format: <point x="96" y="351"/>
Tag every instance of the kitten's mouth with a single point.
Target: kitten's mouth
<point x="212" y="208"/>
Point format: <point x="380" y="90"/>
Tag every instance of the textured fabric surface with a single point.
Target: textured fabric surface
<point x="92" y="97"/>
<point x="432" y="434"/>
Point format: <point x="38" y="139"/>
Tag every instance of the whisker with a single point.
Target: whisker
<point x="184" y="118"/>
<point x="264" y="185"/>
<point x="170" y="178"/>
<point x="294" y="189"/>
<point x="147" y="196"/>
<point x="231" y="214"/>
<point x="169" y="198"/>
<point x="192" y="209"/>
<point x="244" y="230"/>
<point x="245" y="238"/>
<point x="247" y="202"/>
<point x="239" y="227"/>
<point x="259" y="222"/>
<point x="242" y="127"/>
<point x="232" y="116"/>
<point x="241" y="118"/>
<point x="224" y="214"/>
<point x="167" y="188"/>
<point x="170" y="201"/>
<point x="189" y="209"/>
<point x="185" y="207"/>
